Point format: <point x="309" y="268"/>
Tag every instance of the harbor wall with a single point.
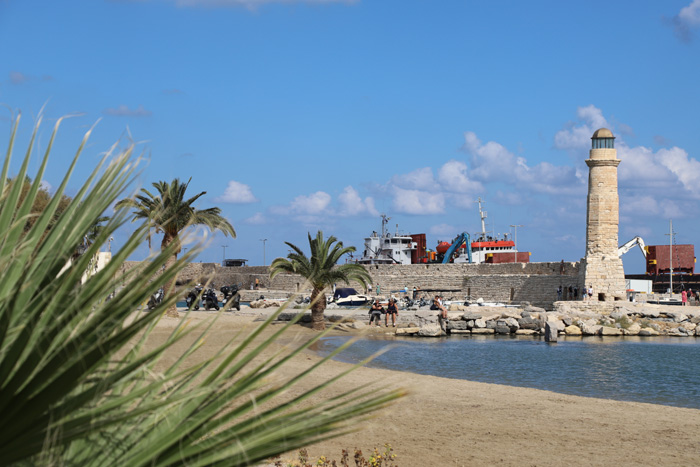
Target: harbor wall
<point x="535" y="283"/>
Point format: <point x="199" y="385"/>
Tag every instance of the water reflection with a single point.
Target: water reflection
<point x="644" y="369"/>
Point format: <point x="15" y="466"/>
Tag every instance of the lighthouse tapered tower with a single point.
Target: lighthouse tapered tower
<point x="602" y="266"/>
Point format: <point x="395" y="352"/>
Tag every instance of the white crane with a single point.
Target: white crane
<point x="629" y="245"/>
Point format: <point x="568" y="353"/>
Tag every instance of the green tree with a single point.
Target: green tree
<point x="42" y="198"/>
<point x="321" y="270"/>
<point x="169" y="212"/>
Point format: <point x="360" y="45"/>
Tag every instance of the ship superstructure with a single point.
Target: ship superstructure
<point x="386" y="248"/>
<point x="485" y="246"/>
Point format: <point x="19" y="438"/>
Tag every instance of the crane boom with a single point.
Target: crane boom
<point x="461" y="238"/>
<point x="629" y="245"/>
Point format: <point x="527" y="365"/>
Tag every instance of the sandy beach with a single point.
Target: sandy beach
<point x="455" y="422"/>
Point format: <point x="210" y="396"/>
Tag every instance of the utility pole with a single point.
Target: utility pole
<point x="224" y="259"/>
<point x="670" y="256"/>
<point x="264" y="260"/>
<point x="515" y="238"/>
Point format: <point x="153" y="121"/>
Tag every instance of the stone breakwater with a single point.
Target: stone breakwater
<point x="569" y="318"/>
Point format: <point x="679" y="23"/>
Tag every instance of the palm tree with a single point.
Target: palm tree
<point x="170" y="213"/>
<point x="320" y="270"/>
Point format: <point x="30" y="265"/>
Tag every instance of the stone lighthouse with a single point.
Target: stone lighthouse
<point x="602" y="265"/>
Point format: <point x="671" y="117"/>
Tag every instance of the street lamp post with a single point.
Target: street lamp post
<point x="224" y="259"/>
<point x="515" y="237"/>
<point x="264" y="261"/>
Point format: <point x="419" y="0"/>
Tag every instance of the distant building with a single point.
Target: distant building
<point x="233" y="263"/>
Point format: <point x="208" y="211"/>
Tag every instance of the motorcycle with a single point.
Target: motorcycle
<point x="231" y="297"/>
<point x="156" y="299"/>
<point x="210" y="300"/>
<point x="193" y="297"/>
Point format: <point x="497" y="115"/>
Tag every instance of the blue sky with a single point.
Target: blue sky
<point x="298" y="115"/>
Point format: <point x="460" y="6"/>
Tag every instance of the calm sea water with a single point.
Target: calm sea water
<point x="657" y="370"/>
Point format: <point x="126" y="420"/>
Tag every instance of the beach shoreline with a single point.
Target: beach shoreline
<point x="446" y="421"/>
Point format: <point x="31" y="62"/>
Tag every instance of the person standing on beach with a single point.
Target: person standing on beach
<point x="684" y="298"/>
<point x="559" y="293"/>
<point x="378" y="289"/>
<point x="392" y="310"/>
<point x="590" y="292"/>
<point x="415" y="292"/>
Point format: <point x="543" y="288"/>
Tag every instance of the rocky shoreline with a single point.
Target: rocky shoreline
<point x="567" y="318"/>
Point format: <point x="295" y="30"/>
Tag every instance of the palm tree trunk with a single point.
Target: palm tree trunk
<point x="318" y="306"/>
<point x="169" y="287"/>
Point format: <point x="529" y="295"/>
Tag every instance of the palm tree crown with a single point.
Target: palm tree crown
<point x="171" y="213"/>
<point x="321" y="270"/>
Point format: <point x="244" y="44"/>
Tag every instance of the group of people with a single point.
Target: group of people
<point x="571" y="293"/>
<point x="377" y="310"/>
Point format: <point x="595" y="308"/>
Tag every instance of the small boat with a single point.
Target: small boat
<point x="347" y="296"/>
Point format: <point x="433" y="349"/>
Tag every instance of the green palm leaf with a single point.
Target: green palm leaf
<point x="80" y="381"/>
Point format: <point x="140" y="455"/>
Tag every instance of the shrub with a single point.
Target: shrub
<point x="77" y="385"/>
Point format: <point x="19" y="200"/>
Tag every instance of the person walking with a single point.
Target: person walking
<point x="590" y="292"/>
<point x="684" y="298"/>
<point x="391" y="309"/>
<point x="559" y="294"/>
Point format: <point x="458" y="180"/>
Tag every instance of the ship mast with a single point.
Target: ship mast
<point x="482" y="214"/>
<point x="385" y="221"/>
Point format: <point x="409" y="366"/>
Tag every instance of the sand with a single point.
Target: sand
<point x="444" y="422"/>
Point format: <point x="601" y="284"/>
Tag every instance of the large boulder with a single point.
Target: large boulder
<point x="470" y="315"/>
<point x="456" y="324"/>
<point x="482" y="331"/>
<point x="588" y="329"/>
<point x="677" y="316"/>
<point x="501" y="328"/>
<point x="572" y="330"/>
<point x="512" y="323"/>
<point x="479" y="323"/>
<point x="430" y="330"/>
<point x="407" y="331"/>
<point x="633" y="329"/>
<point x="529" y="323"/>
<point x="550" y="331"/>
<point x="609" y="331"/>
<point x="457" y="307"/>
<point x="648" y="332"/>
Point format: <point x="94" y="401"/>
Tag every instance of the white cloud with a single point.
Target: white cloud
<point x="237" y="192"/>
<point x="419" y="179"/>
<point x="578" y="135"/>
<point x="686" y="20"/>
<point x="44" y="185"/>
<point x="256" y="219"/>
<point x="351" y="204"/>
<point x="417" y="201"/>
<point x="453" y="177"/>
<point x="687" y="170"/>
<point x="124" y="111"/>
<point x="442" y="229"/>
<point x="492" y="162"/>
<point x="313" y="204"/>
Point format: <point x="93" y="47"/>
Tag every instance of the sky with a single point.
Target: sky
<point x="303" y="115"/>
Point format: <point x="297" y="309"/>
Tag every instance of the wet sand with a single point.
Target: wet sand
<point x="443" y="422"/>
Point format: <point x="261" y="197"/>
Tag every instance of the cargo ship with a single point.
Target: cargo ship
<point x="387" y="248"/>
<point x="484" y="248"/>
